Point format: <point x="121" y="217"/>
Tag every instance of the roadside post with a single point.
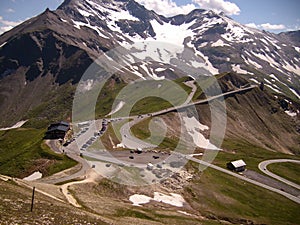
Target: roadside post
<point x="32" y="199"/>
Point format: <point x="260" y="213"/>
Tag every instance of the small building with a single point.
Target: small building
<point x="57" y="130"/>
<point x="237" y="166"/>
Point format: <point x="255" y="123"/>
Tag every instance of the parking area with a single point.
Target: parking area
<point x="143" y="158"/>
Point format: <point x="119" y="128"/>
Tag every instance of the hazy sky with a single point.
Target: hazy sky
<point x="271" y="15"/>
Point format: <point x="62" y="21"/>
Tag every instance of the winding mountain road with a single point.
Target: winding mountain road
<point x="208" y="99"/>
<point x="125" y="131"/>
<point x="132" y="142"/>
<point x="263" y="167"/>
<point x="72" y="152"/>
<point x="285" y="194"/>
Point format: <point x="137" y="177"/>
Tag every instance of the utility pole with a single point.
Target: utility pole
<point x="32" y="199"/>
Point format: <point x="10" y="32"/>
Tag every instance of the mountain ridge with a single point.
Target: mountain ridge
<point x="64" y="42"/>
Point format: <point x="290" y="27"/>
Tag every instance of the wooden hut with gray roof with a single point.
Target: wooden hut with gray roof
<point x="237" y="166"/>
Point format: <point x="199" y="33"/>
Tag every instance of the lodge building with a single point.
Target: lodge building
<point x="57" y="130"/>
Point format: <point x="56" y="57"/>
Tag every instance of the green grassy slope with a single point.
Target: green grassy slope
<point x="227" y="198"/>
<point x="22" y="152"/>
<point x="289" y="171"/>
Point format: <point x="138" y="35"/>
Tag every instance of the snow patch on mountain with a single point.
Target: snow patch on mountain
<point x="207" y="23"/>
<point x="238" y="69"/>
<point x="269" y="82"/>
<point x="17" y="125"/>
<point x="79" y="24"/>
<point x="172" y="199"/>
<point x="3" y="44"/>
<point x="220" y="43"/>
<point x="272" y="88"/>
<point x="85" y="13"/>
<point x="274" y="77"/>
<point x="151" y="72"/>
<point x="113" y="11"/>
<point x="290" y="113"/>
<point x="118" y="107"/>
<point x="266" y="58"/>
<point x="206" y="64"/>
<point x="172" y="34"/>
<point x="273" y="42"/>
<point x="254" y="80"/>
<point x="292" y="68"/>
<point x="235" y="32"/>
<point x="295" y="93"/>
<point x="160" y="69"/>
<point x="193" y="128"/>
<point x="253" y="63"/>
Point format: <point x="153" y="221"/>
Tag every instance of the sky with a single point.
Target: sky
<point x="271" y="15"/>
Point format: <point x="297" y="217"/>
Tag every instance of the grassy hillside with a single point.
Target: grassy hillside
<point x="226" y="198"/>
<point x="55" y="106"/>
<point x="289" y="171"/>
<point x="15" y="208"/>
<point x="154" y="96"/>
<point x="141" y="131"/>
<point x="22" y="152"/>
<point x="252" y="154"/>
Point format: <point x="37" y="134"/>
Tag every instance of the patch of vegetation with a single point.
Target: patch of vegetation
<point x="112" y="134"/>
<point x="107" y="96"/>
<point x="205" y="84"/>
<point x="22" y="151"/>
<point x="176" y="219"/>
<point x="133" y="213"/>
<point x="181" y="81"/>
<point x="141" y="129"/>
<point x="56" y="106"/>
<point x="250" y="153"/>
<point x="142" y="132"/>
<point x="226" y="198"/>
<point x="105" y="187"/>
<point x="152" y="96"/>
<point x="287" y="170"/>
<point x="150" y="105"/>
<point x="15" y="208"/>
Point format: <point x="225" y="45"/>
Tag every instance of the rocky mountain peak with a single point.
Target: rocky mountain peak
<point x="64" y="42"/>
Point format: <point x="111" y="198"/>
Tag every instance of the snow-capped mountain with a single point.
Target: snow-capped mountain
<point x="57" y="46"/>
<point x="220" y="42"/>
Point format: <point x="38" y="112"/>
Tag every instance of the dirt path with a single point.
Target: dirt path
<point x="25" y="184"/>
<point x="91" y="177"/>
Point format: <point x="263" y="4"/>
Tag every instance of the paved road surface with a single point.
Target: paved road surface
<point x="132" y="142"/>
<point x="285" y="194"/>
<point x="291" y="197"/>
<point x="72" y="152"/>
<point x="129" y="140"/>
<point x="263" y="167"/>
<point x="203" y="101"/>
<point x="194" y="89"/>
